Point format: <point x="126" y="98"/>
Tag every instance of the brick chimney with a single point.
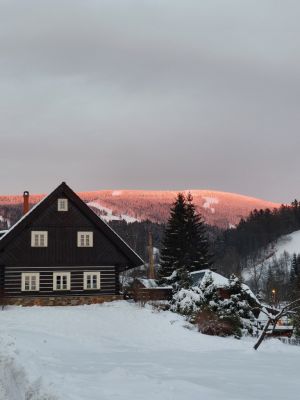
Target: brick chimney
<point x="25" y="202"/>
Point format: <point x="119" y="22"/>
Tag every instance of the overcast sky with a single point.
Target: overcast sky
<point x="151" y="94"/>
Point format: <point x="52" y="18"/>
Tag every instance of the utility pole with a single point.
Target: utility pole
<point x="151" y="271"/>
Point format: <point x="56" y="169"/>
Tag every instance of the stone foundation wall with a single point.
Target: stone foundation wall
<point x="59" y="301"/>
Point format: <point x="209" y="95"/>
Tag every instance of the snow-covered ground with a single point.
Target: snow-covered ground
<point x="120" y="351"/>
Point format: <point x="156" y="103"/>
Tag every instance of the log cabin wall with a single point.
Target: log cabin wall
<point x="12" y="287"/>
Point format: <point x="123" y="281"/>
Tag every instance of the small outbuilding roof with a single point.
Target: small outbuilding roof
<point x="218" y="280"/>
<point x="148" y="283"/>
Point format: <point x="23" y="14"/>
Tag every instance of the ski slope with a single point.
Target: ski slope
<point x="120" y="351"/>
<point x="289" y="243"/>
<point x="286" y="244"/>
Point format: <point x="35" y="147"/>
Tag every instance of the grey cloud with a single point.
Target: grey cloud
<point x="150" y="94"/>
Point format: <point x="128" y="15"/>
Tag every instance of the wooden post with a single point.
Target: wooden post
<point x="151" y="273"/>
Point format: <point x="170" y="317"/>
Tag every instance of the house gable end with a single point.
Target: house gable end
<point x="63" y="226"/>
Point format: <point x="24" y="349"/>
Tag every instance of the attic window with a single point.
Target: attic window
<point x="85" y="239"/>
<point x="62" y="205"/>
<point x="39" y="239"/>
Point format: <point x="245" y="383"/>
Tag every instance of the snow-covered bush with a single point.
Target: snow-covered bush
<point x="212" y="323"/>
<point x="187" y="301"/>
<point x="219" y="310"/>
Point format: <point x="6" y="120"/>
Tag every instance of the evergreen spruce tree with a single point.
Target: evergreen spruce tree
<point x="185" y="246"/>
<point x="294" y="268"/>
<point x="295" y="276"/>
<point x="197" y="254"/>
<point x="174" y="244"/>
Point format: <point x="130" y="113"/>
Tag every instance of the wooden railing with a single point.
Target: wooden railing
<point x="292" y="341"/>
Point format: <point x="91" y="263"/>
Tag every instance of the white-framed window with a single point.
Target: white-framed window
<point x="91" y="280"/>
<point x="85" y="239"/>
<point x="62" y="205"/>
<point x="61" y="280"/>
<point x="39" y="239"/>
<point x="30" y="281"/>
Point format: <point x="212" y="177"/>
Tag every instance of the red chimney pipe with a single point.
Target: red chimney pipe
<point x="25" y="202"/>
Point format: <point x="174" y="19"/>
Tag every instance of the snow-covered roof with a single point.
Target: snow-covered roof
<point x="249" y="291"/>
<point x="151" y="284"/>
<point x="218" y="280"/>
<point x="2" y="233"/>
<point x="148" y="283"/>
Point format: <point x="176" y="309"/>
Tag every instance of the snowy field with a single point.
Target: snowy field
<point x="120" y="351"/>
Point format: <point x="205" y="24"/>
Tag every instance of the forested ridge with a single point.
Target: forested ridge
<point x="230" y="247"/>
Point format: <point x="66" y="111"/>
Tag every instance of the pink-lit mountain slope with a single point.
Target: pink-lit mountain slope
<point x="218" y="208"/>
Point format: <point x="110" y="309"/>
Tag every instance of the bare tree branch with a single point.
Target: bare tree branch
<point x="273" y="319"/>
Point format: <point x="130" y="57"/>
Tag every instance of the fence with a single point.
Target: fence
<point x="292" y="341"/>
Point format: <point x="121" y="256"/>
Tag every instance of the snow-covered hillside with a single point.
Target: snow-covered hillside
<point x="120" y="351"/>
<point x="286" y="244"/>
<point x="108" y="215"/>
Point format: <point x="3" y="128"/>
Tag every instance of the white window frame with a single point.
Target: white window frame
<point x="88" y="239"/>
<point x="36" y="239"/>
<point x="86" y="274"/>
<point x="61" y="274"/>
<point x="62" y="204"/>
<point x="30" y="275"/>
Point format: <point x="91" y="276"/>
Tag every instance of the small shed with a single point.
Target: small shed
<point x="148" y="290"/>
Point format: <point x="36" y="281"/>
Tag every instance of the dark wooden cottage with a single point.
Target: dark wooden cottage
<point x="61" y="252"/>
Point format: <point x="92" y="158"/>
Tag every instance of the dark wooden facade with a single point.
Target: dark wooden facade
<point x="109" y="254"/>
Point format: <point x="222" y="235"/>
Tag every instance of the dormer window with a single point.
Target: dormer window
<point x="62" y="205"/>
<point x="84" y="239"/>
<point x="39" y="239"/>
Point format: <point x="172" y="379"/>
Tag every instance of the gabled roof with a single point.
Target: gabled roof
<point x="218" y="280"/>
<point x="134" y="259"/>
